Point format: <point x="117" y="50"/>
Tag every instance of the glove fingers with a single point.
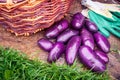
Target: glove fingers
<point x="100" y="20"/>
<point x="117" y="28"/>
<point x="93" y="16"/>
<point x="117" y="24"/>
<point x="104" y="32"/>
<point x="114" y="32"/>
<point x="117" y="14"/>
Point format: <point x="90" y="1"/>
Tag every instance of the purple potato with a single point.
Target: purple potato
<point x="66" y="35"/>
<point x="89" y="43"/>
<point x="45" y="44"/>
<point x="57" y="28"/>
<point x="89" y="58"/>
<point x="92" y="27"/>
<point x="72" y="49"/>
<point x="56" y="52"/>
<point x="102" y="42"/>
<point x="78" y="21"/>
<point x="102" y="55"/>
<point x="87" y="38"/>
<point x="78" y="15"/>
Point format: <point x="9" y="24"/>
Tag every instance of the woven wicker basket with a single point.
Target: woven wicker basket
<point x="30" y="16"/>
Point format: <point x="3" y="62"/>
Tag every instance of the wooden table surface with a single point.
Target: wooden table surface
<point x="29" y="46"/>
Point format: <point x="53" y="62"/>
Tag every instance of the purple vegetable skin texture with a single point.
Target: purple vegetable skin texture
<point x="45" y="44"/>
<point x="78" y="21"/>
<point x="102" y="55"/>
<point x="56" y="52"/>
<point x="88" y="57"/>
<point x="72" y="49"/>
<point x="87" y="38"/>
<point x="92" y="27"/>
<point x="56" y="29"/>
<point x="102" y="42"/>
<point x="66" y="35"/>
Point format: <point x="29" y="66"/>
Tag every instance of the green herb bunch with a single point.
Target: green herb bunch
<point x="16" y="66"/>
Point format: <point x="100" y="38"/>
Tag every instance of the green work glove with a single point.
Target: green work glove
<point x="106" y="16"/>
<point x="117" y="14"/>
<point x="106" y="25"/>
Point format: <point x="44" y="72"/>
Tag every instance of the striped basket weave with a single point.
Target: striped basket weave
<point x="25" y="17"/>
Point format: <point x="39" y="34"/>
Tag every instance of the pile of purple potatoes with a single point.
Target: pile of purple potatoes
<point x="78" y="39"/>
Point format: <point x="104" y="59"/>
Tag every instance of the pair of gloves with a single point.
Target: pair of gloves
<point x="106" y="16"/>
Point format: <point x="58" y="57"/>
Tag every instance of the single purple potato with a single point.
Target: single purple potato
<point x="72" y="49"/>
<point x="56" y="52"/>
<point x="45" y="44"/>
<point x="57" y="28"/>
<point x="66" y="35"/>
<point x="92" y="27"/>
<point x="89" y="58"/>
<point x="78" y="21"/>
<point x="102" y="42"/>
<point x="102" y="55"/>
<point x="87" y="38"/>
